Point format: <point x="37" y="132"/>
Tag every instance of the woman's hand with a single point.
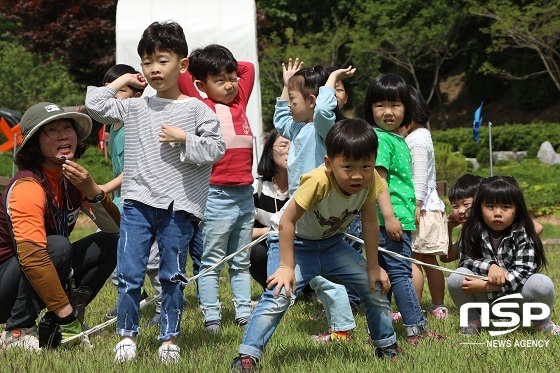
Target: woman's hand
<point x="80" y="178"/>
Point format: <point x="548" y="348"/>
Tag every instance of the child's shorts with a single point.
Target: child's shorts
<point x="431" y="237"/>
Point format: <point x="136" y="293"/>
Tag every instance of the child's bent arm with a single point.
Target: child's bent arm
<point x="392" y="225"/>
<point x="284" y="275"/>
<point x="324" y="115"/>
<point x="246" y="80"/>
<point x="112" y="185"/>
<point x="340" y="74"/>
<point x="370" y="231"/>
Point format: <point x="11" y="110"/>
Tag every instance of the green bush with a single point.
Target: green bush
<point x="483" y="157"/>
<point x="513" y="137"/>
<point x="470" y="149"/>
<point x="449" y="165"/>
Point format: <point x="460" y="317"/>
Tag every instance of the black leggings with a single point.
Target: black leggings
<point x="92" y="258"/>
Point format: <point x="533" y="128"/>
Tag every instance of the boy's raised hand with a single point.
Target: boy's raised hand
<point x="284" y="277"/>
<point x="138" y="81"/>
<point x="288" y="72"/>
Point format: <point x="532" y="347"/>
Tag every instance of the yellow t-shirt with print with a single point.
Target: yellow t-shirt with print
<point x="327" y="210"/>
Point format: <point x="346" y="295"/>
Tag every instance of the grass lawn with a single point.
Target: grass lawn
<point x="290" y="349"/>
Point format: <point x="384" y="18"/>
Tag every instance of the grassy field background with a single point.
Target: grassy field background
<point x="290" y="349"/>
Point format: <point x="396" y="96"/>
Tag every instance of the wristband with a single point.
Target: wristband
<point x="68" y="319"/>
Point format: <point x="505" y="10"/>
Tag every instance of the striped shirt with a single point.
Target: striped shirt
<point x="158" y="174"/>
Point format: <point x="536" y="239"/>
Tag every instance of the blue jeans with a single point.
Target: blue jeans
<point x="140" y="224"/>
<point x="226" y="228"/>
<point x="334" y="299"/>
<point x="355" y="229"/>
<point x="334" y="259"/>
<point x="400" y="275"/>
<point x="195" y="251"/>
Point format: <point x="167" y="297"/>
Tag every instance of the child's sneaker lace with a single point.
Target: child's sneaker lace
<point x="169" y="353"/>
<point x="125" y="350"/>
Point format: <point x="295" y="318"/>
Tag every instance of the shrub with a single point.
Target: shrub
<point x="449" y="165"/>
<point x="470" y="149"/>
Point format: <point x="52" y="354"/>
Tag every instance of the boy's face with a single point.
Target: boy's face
<point x="351" y="175"/>
<point x="461" y="209"/>
<point x="126" y="92"/>
<point x="162" y="70"/>
<point x="222" y="88"/>
<point x="388" y="115"/>
<point x="301" y="109"/>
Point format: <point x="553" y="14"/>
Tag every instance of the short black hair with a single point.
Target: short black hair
<point x="388" y="87"/>
<point x="119" y="70"/>
<point x="420" y="108"/>
<point x="464" y="187"/>
<point x="266" y="167"/>
<point x="30" y="156"/>
<point x="167" y="36"/>
<point x="351" y="138"/>
<point x="211" y="60"/>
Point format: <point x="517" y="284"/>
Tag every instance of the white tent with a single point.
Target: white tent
<point x="229" y="23"/>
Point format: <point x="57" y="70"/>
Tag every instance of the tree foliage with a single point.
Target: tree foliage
<point x="528" y="25"/>
<point x="82" y="32"/>
<point x="26" y="80"/>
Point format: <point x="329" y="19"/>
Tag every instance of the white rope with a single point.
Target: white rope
<point x="416" y="261"/>
<point x="181" y="278"/>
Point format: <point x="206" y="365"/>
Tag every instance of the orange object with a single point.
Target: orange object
<point x="10" y="134"/>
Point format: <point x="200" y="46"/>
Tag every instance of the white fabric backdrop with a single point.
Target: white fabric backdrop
<point x="226" y="22"/>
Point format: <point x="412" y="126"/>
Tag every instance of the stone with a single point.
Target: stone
<point x="547" y="154"/>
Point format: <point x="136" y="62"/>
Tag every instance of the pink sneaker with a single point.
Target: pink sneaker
<point x="396" y="316"/>
<point x="551" y="328"/>
<point x="440" y="312"/>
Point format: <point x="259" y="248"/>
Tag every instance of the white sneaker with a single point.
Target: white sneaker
<point x="26" y="338"/>
<point x="125" y="350"/>
<point x="169" y="353"/>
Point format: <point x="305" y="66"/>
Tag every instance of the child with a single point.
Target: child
<point x="116" y="146"/>
<point x="388" y="106"/>
<point x="312" y="243"/>
<point x="461" y="194"/>
<point x="271" y="193"/>
<point x="430" y="238"/>
<point x="164" y="182"/>
<point x="229" y="215"/>
<point x="304" y="113"/>
<point x="499" y="240"/>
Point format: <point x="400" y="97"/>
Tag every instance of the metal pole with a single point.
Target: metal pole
<point x="490" y="146"/>
<point x="14" y="156"/>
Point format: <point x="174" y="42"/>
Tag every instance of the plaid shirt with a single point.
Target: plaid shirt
<point x="516" y="255"/>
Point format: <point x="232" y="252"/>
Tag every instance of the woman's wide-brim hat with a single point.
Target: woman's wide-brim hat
<point x="45" y="112"/>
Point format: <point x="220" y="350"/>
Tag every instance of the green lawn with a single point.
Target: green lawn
<point x="290" y="349"/>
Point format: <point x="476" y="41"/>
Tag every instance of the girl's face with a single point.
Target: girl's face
<point x="341" y="94"/>
<point x="301" y="109"/>
<point x="280" y="150"/>
<point x="57" y="139"/>
<point x="388" y="115"/>
<point x="498" y="216"/>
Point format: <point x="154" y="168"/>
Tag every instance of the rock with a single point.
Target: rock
<point x="504" y="156"/>
<point x="474" y="163"/>
<point x="547" y="154"/>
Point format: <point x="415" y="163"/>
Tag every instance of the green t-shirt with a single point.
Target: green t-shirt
<point x="394" y="155"/>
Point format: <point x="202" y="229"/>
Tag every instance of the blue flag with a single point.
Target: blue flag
<point x="477" y="122"/>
